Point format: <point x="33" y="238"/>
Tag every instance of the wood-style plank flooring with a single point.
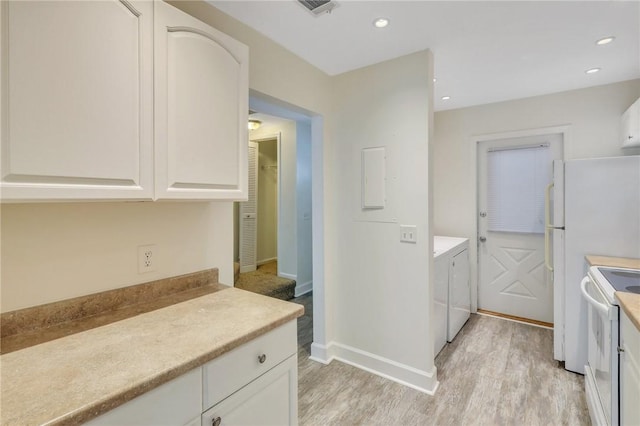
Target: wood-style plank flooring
<point x="495" y="372"/>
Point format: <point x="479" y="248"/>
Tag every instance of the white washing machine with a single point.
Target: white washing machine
<point x="452" y="292"/>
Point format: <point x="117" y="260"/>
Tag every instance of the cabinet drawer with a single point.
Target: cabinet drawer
<point x="228" y="373"/>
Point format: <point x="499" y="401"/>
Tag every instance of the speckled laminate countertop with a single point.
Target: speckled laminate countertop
<point x="613" y="262"/>
<point x="629" y="302"/>
<point x="75" y="378"/>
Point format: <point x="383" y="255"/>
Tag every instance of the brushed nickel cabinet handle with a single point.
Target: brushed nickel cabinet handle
<point x="262" y="358"/>
<point x="216" y="421"/>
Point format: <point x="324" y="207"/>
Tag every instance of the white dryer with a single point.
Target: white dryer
<point x="452" y="292"/>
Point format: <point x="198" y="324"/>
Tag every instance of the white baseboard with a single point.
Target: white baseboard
<point x="303" y="288"/>
<point x="289" y="276"/>
<point x="263" y="261"/>
<point x="319" y="353"/>
<point x="405" y="375"/>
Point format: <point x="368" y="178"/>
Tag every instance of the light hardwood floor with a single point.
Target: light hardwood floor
<point x="496" y="372"/>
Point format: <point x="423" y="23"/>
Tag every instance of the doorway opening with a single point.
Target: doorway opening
<point x="274" y="234"/>
<point x="513" y="173"/>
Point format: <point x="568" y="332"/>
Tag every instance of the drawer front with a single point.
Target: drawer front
<point x="231" y="371"/>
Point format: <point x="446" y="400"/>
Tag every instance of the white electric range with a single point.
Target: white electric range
<point x="602" y="369"/>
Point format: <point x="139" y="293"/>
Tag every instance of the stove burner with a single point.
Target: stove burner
<point x="633" y="289"/>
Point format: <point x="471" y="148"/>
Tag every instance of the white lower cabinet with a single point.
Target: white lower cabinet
<point x="253" y="384"/>
<point x="629" y="372"/>
<point x="268" y="400"/>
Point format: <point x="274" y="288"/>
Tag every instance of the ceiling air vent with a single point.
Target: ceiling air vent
<point x="318" y="7"/>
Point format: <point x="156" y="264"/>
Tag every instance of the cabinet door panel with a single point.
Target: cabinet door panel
<point x="201" y="109"/>
<point x="77" y="100"/>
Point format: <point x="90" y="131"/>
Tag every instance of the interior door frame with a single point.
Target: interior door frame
<point x="263" y="138"/>
<point x="474" y="146"/>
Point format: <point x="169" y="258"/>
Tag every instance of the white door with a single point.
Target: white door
<point x="249" y="215"/>
<point x="512" y="177"/>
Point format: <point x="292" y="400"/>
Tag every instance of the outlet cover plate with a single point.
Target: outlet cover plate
<point x="146" y="258"/>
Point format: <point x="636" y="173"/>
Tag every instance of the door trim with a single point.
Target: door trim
<point x="473" y="142"/>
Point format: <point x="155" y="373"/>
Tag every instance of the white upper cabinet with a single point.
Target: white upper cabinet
<point x="201" y="104"/>
<point x="105" y="100"/>
<point x="631" y="126"/>
<point x="77" y="105"/>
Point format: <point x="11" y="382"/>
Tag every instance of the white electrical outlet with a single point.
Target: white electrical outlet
<point x="146" y="259"/>
<point x="408" y="233"/>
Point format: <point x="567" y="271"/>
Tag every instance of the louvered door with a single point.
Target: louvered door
<point x="249" y="215"/>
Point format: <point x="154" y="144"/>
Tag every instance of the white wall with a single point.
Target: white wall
<point x="53" y="252"/>
<point x="593" y="115"/>
<point x="304" y="279"/>
<point x="267" y="201"/>
<point x="382" y="294"/>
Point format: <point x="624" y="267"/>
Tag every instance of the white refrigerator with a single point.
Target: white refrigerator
<point x="594" y="209"/>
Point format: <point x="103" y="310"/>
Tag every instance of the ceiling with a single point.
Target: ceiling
<point x="484" y="51"/>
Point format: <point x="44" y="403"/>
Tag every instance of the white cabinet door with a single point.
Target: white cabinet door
<point x="629" y="372"/>
<point x="271" y="399"/>
<point x="77" y="106"/>
<point x="201" y="109"/>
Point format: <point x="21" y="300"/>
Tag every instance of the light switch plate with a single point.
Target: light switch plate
<point x="408" y="234"/>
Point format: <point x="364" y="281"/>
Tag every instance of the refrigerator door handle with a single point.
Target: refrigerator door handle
<point x="548" y="228"/>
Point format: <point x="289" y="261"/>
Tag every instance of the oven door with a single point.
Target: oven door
<point x="601" y="371"/>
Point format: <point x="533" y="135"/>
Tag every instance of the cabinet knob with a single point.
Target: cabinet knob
<point x="262" y="358"/>
<point x="620" y="349"/>
<point x="216" y="421"/>
<point x="482" y="239"/>
<point x="630" y="137"/>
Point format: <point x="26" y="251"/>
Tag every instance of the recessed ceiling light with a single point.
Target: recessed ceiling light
<point x="592" y="70"/>
<point x="605" y="40"/>
<point x="381" y="22"/>
<point x="446" y="98"/>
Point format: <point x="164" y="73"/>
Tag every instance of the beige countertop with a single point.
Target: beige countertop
<point x="613" y="262"/>
<point x="629" y="302"/>
<point x="72" y="379"/>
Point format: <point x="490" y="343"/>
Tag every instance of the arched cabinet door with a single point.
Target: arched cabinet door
<point x="77" y="100"/>
<point x="201" y="109"/>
